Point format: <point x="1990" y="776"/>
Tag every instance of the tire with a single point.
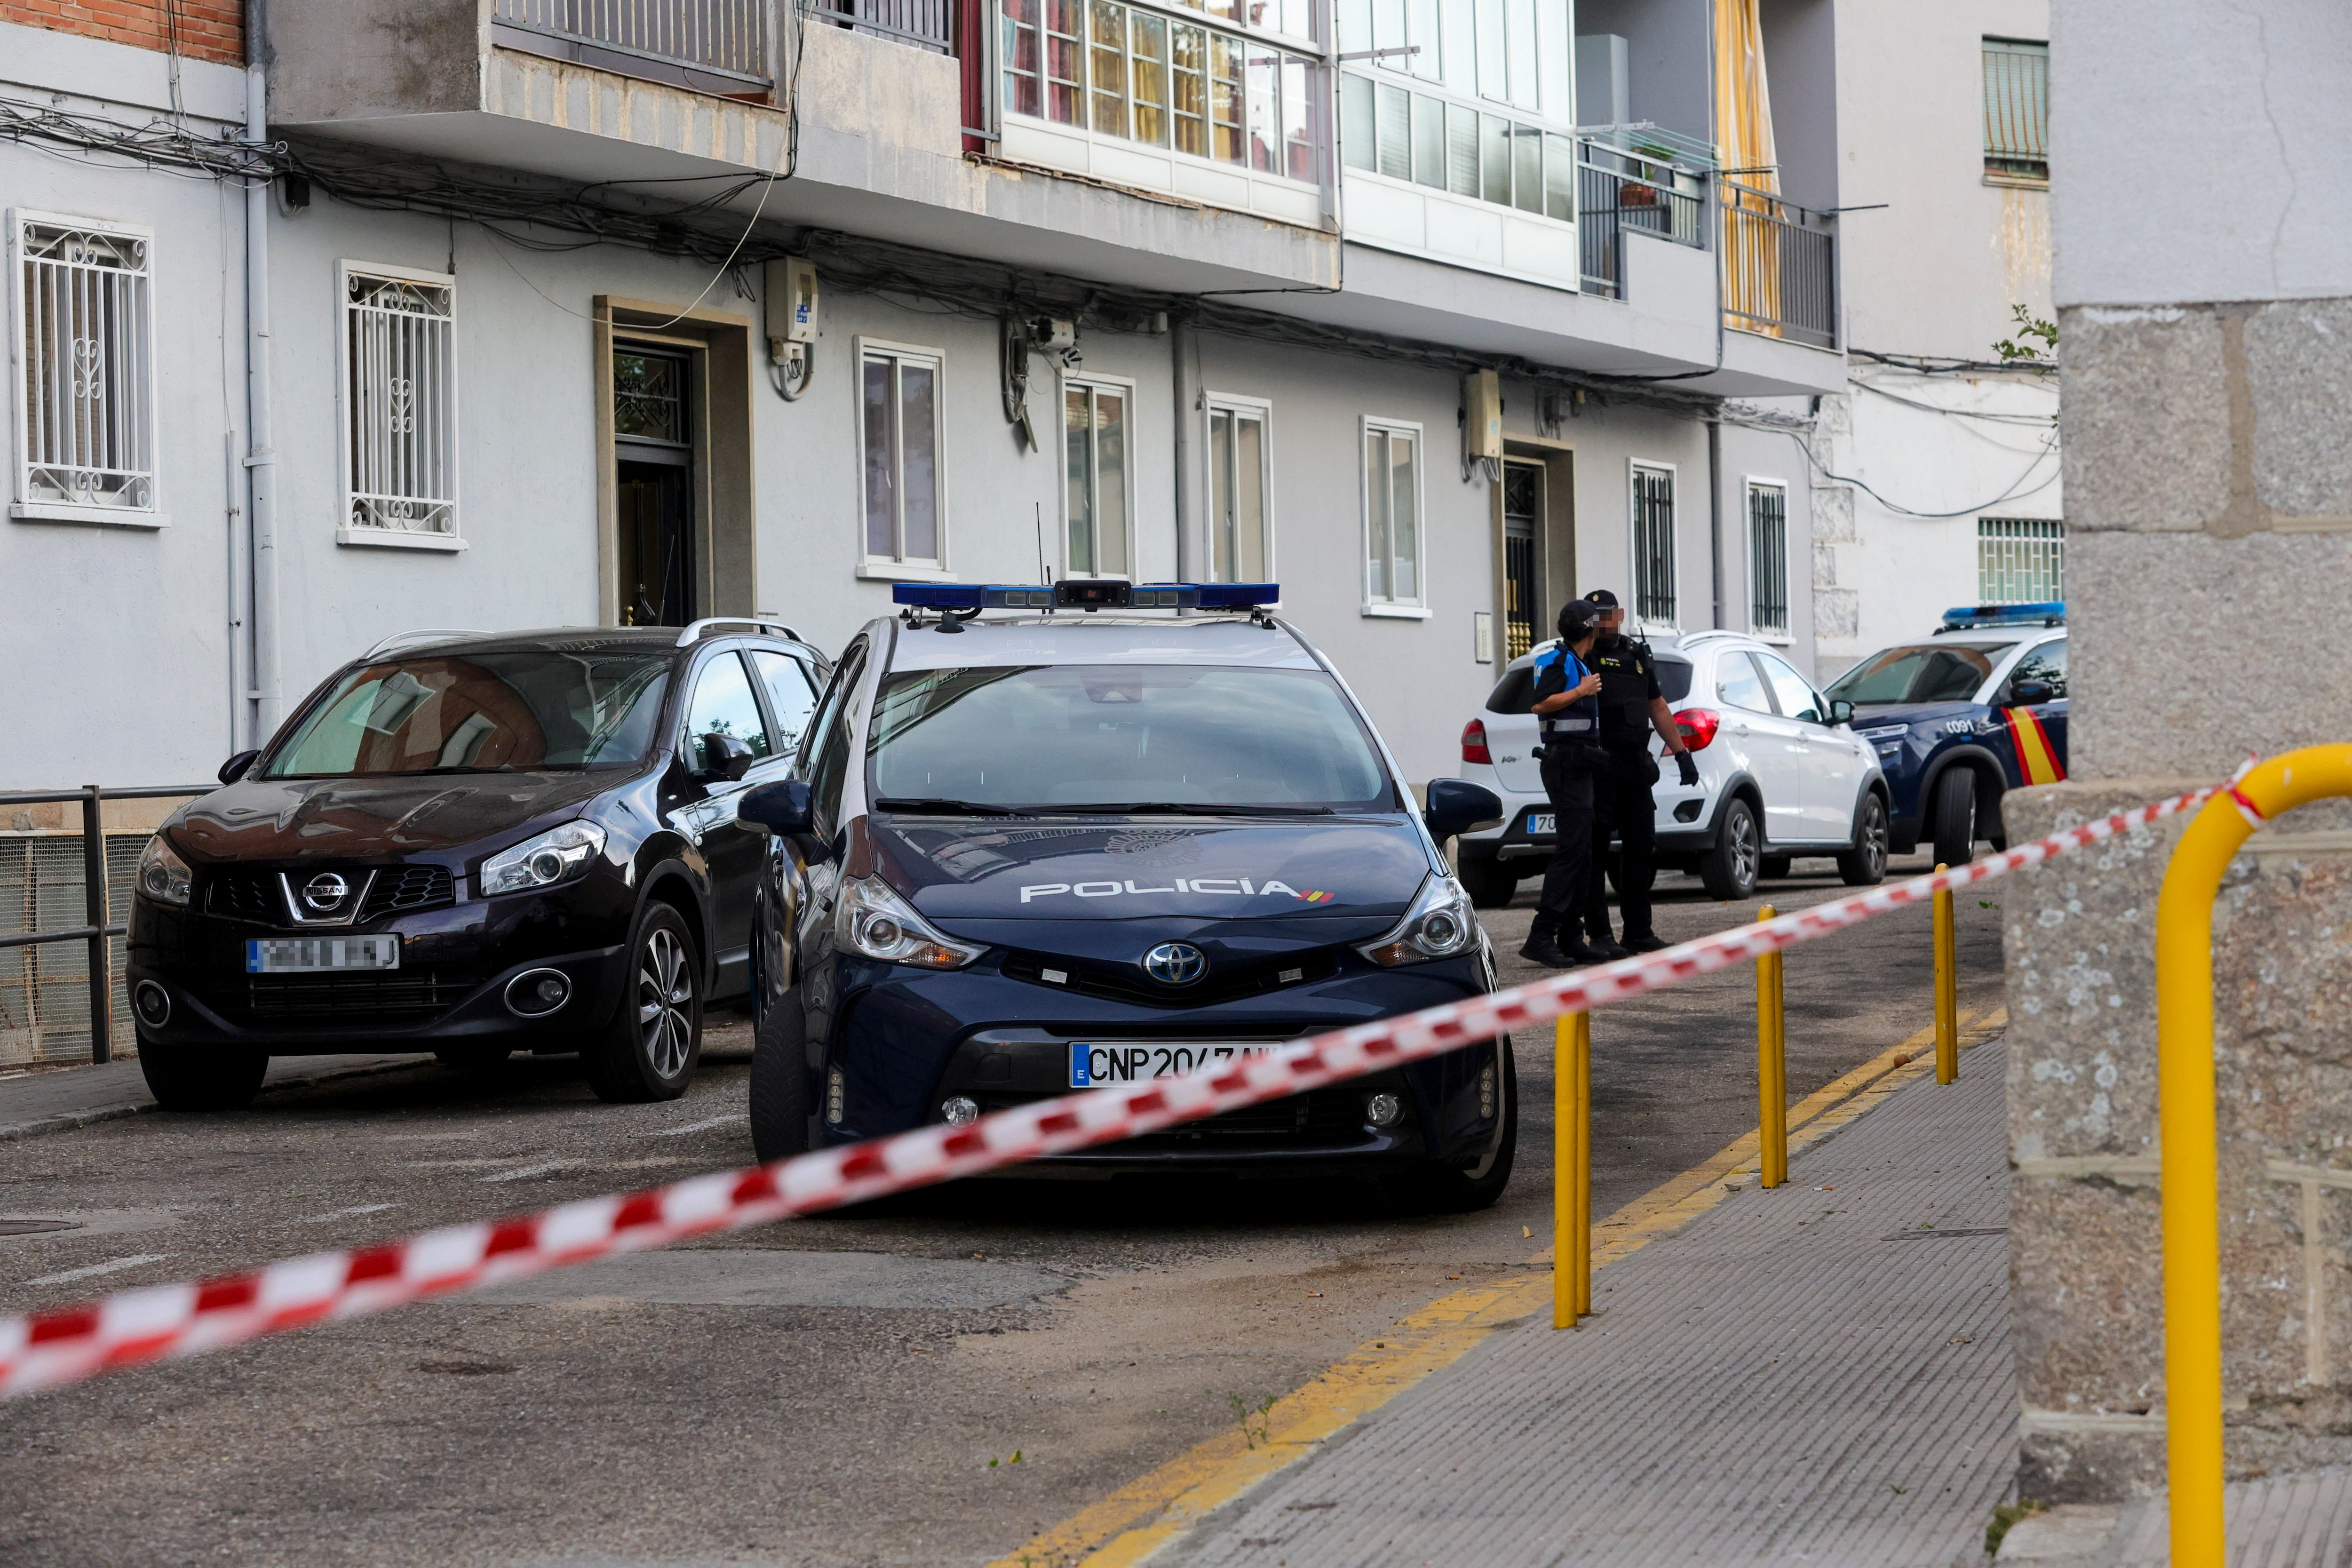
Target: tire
<point x="1775" y="865"/>
<point x="1953" y="818"/>
<point x="1449" y="1189"/>
<point x="1490" y="884"/>
<point x="185" y="1079"/>
<point x="779" y="1082"/>
<point x="1730" y="867"/>
<point x="654" y="1043"/>
<point x="1864" y="864"/>
<point x="472" y="1058"/>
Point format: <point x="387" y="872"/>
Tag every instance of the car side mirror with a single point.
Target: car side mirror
<point x="2031" y="693"/>
<point x="778" y="807"/>
<point x="234" y="769"/>
<point x="727" y="757"/>
<point x="1457" y="806"/>
<point x="1840" y="710"/>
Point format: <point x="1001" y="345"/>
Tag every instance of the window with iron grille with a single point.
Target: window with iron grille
<point x="2017" y="108"/>
<point x="1767" y="559"/>
<point x="1654" y="545"/>
<point x="85" y="329"/>
<point x="2021" y="560"/>
<point x="400" y="406"/>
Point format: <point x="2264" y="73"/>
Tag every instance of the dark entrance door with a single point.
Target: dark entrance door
<point x="1523" y="508"/>
<point x="653" y="481"/>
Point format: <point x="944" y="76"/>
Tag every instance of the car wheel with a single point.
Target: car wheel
<point x="185" y="1079"/>
<point x="471" y="1059"/>
<point x="779" y="1082"/>
<point x="1864" y="864"/>
<point x="1490" y="884"/>
<point x="651" y="1048"/>
<point x="1730" y="867"/>
<point x="1775" y="865"/>
<point x="1955" y="817"/>
<point x="1451" y="1189"/>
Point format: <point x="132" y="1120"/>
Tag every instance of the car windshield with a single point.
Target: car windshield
<point x="1924" y="672"/>
<point x="1112" y="736"/>
<point x="481" y="713"/>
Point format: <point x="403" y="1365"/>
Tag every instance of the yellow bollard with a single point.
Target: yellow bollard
<point x="1771" y="1067"/>
<point x="1571" y="1182"/>
<point x="1947" y="990"/>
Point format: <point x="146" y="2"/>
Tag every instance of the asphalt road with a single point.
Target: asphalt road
<point x="829" y="1391"/>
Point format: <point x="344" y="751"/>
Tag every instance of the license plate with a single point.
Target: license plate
<point x="1542" y="822"/>
<point x="307" y="954"/>
<point x="1102" y="1065"/>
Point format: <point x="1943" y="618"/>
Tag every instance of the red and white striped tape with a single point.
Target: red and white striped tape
<point x="48" y="1349"/>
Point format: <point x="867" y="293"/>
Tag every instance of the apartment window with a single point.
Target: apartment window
<point x="1654" y="545"/>
<point x="400" y="406"/>
<point x="1240" y="523"/>
<point x="85" y="327"/>
<point x="1097" y="489"/>
<point x="1414" y="136"/>
<point x="1768" y="559"/>
<point x="1166" y="78"/>
<point x="2017" y="108"/>
<point x="1392" y="513"/>
<point x="899" y="431"/>
<point x="2021" y="560"/>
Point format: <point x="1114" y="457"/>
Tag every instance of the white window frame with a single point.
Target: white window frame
<point x="380" y="535"/>
<point x="892" y="568"/>
<point x="1125" y="387"/>
<point x="1415" y="607"/>
<point x="25" y="504"/>
<point x="1781" y="636"/>
<point x="1261" y="408"/>
<point x="1635" y="465"/>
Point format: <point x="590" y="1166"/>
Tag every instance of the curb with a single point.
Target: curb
<point x="71" y="1121"/>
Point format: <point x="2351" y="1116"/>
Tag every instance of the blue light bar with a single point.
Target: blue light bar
<point x="1963" y="617"/>
<point x="1086" y="593"/>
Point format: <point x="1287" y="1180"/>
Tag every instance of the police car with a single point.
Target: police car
<point x="1976" y="709"/>
<point x="1112" y="832"/>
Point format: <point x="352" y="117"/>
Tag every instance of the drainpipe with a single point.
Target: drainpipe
<point x="1715" y="508"/>
<point x="1180" y="350"/>
<point x="260" y="457"/>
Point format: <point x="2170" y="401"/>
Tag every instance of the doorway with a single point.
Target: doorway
<point x="1523" y="516"/>
<point x="653" y="457"/>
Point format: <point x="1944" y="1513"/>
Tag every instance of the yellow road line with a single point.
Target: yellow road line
<point x="1139" y="1519"/>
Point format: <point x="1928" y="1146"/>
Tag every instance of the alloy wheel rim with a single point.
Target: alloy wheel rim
<point x="1746" y="855"/>
<point x="665" y="994"/>
<point x="1875" y="832"/>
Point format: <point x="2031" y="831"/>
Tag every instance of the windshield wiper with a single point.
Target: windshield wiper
<point x="931" y="806"/>
<point x="1182" y="808"/>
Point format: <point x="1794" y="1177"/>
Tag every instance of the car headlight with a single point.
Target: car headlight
<point x="874" y="920"/>
<point x="1885" y="732"/>
<point x="1439" y="925"/>
<point x="162" y="875"/>
<point x="558" y="855"/>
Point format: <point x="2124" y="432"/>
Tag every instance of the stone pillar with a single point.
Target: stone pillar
<point x="2201" y="194"/>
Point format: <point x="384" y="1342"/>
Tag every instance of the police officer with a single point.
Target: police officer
<point x="1632" y="708"/>
<point x="1567" y="708"/>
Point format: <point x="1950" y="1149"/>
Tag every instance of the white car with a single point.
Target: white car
<point x="1781" y="774"/>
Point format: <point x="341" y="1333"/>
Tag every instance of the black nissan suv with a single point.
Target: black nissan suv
<point x="471" y="844"/>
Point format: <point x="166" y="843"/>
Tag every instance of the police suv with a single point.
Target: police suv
<point x="1976" y="711"/>
<point x="1117" y="832"/>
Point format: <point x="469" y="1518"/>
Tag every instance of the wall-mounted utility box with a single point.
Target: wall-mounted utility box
<point x="792" y="300"/>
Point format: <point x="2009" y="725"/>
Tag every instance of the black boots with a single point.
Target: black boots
<point x="1543" y="947"/>
<point x="1607" y="946"/>
<point x="1648" y="941"/>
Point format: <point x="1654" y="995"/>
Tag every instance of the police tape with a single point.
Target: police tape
<point x="50" y="1349"/>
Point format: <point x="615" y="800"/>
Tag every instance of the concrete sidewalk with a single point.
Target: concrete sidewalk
<point x="1819" y="1374"/>
<point x="58" y="1100"/>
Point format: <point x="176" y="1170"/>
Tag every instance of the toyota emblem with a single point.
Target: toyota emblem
<point x="326" y="892"/>
<point x="1175" y="963"/>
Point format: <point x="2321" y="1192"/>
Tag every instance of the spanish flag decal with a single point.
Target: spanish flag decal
<point x="2037" y="759"/>
<point x="1314" y="896"/>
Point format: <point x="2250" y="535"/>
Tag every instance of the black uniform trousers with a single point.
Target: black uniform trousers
<point x="1568" y="769"/>
<point x="1623" y="806"/>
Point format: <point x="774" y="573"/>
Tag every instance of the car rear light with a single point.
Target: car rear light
<point x="1699" y="726"/>
<point x="1474" y="742"/>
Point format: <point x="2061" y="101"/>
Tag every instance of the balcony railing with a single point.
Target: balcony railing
<point x="1617" y="191"/>
<point x="724" y="46"/>
<point x="926" y="24"/>
<point x="1780" y="267"/>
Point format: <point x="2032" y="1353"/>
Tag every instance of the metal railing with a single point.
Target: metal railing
<point x="926" y="24"/>
<point x="40" y="892"/>
<point x="711" y="46"/>
<point x="1617" y="191"/>
<point x="1780" y="267"/>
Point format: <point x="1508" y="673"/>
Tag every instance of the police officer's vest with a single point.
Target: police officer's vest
<point x="1581" y="718"/>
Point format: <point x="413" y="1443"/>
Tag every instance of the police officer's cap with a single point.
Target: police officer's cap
<point x="1577" y="617"/>
<point x="1602" y="597"/>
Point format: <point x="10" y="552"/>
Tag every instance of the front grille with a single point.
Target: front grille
<point x="1318" y="1118"/>
<point x="400" y="889"/>
<point x="351" y="998"/>
<point x="1131" y="984"/>
<point x="245" y="896"/>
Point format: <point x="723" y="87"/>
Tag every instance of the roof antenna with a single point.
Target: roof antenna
<point x="1039" y="508"/>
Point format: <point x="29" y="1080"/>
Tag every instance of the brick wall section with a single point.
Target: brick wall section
<point x="209" y="29"/>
